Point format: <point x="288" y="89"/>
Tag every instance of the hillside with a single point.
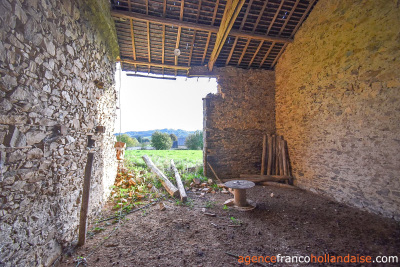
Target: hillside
<point x="178" y="132"/>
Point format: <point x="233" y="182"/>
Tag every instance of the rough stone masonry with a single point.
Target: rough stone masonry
<point x="338" y="103"/>
<point x="236" y="119"/>
<point x="57" y="85"/>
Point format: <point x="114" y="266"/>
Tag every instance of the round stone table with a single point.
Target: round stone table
<point x="239" y="189"/>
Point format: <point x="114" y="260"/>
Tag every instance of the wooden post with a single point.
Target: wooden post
<point x="273" y="155"/>
<point x="85" y="200"/>
<point x="264" y="154"/>
<point x="179" y="182"/>
<point x="284" y="159"/>
<point x="269" y="155"/>
<point x="172" y="190"/>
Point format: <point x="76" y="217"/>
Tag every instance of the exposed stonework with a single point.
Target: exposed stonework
<point x="337" y="103"/>
<point x="235" y="120"/>
<point x="50" y="58"/>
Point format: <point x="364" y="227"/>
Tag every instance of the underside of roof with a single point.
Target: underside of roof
<point x="242" y="33"/>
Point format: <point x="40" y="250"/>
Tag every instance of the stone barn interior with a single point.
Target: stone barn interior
<point x="323" y="74"/>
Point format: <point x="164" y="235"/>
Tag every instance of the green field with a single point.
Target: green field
<point x="188" y="162"/>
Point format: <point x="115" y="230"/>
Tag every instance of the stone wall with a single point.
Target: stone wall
<point x="236" y="119"/>
<point x="338" y="103"/>
<point x="57" y="85"/>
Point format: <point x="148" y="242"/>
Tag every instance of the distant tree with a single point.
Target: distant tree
<point x="161" y="141"/>
<point x="140" y="139"/>
<point x="173" y="137"/>
<point x="195" y="141"/>
<point x="129" y="141"/>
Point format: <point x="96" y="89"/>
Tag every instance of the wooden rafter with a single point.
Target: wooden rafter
<point x="294" y="31"/>
<point x="133" y="41"/>
<point x="194" y="34"/>
<point x="153" y="64"/>
<point x="209" y="34"/>
<point x="254" y="29"/>
<point x="164" y="8"/>
<point x="255" y="54"/>
<point x="163" y="47"/>
<point x="178" y="37"/>
<point x="267" y="54"/>
<point x="194" y="26"/>
<point x="289" y="16"/>
<point x="148" y="43"/>
<point x="303" y="17"/>
<point x="236" y="38"/>
<point x="231" y="12"/>
<point x="276" y="15"/>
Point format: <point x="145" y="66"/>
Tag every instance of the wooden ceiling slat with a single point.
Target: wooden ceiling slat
<point x="151" y="64"/>
<point x="149" y="31"/>
<point x="209" y="34"/>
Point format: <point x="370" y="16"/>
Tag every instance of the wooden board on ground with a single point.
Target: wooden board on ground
<point x="179" y="182"/>
<point x="264" y="178"/>
<point x="172" y="190"/>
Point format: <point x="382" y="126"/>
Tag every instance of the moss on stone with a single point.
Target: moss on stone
<point x="99" y="15"/>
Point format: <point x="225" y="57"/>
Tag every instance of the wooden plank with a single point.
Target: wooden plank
<point x="255" y="53"/>
<point x="303" y="17"/>
<point x="133" y="41"/>
<point x="267" y="54"/>
<point x="288" y="17"/>
<point x="163" y="47"/>
<point x="269" y="155"/>
<point x="85" y="200"/>
<point x="264" y="154"/>
<point x="231" y="12"/>
<point x="284" y="159"/>
<point x="276" y="15"/>
<point x="278" y="184"/>
<point x="212" y="169"/>
<point x="255" y="178"/>
<point x="179" y="183"/>
<point x="172" y="190"/>
<point x="178" y="37"/>
<point x="277" y="171"/>
<point x="273" y="144"/>
<point x="191" y="48"/>
<point x="209" y="34"/>
<point x="148" y="42"/>
<point x="153" y="64"/>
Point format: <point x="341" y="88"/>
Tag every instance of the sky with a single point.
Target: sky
<point x="148" y="104"/>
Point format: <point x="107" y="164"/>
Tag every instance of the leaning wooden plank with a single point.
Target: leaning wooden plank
<point x="284" y="158"/>
<point x="269" y="155"/>
<point x="172" y="190"/>
<point x="264" y="154"/>
<point x="256" y="178"/>
<point x="212" y="169"/>
<point x="179" y="182"/>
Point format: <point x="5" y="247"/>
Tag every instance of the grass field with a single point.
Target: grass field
<point x="188" y="162"/>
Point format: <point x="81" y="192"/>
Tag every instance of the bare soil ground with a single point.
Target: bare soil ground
<point x="291" y="222"/>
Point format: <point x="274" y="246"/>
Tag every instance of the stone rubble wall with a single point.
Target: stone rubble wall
<point x="338" y="103"/>
<point x="236" y="119"/>
<point x="56" y="86"/>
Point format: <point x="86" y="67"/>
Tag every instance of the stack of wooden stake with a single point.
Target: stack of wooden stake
<point x="275" y="160"/>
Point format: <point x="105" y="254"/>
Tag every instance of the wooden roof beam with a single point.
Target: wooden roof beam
<point x="276" y="15"/>
<point x="133" y="41"/>
<point x="231" y="12"/>
<point x="195" y="26"/>
<point x="178" y="37"/>
<point x="153" y="64"/>
<point x="209" y="33"/>
<point x="236" y="39"/>
<point x="294" y="31"/>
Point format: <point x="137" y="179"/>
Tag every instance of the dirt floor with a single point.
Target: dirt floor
<point x="286" y="221"/>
